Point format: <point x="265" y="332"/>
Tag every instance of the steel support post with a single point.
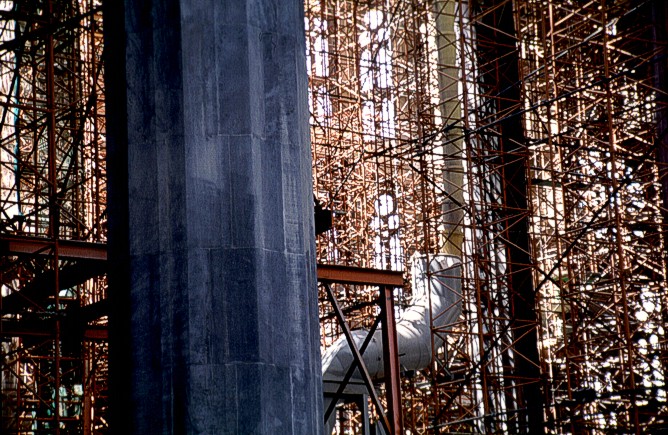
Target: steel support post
<point x="391" y="360"/>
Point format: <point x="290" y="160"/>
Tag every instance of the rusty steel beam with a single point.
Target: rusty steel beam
<point x="46" y="329"/>
<point x="67" y="249"/>
<point x="96" y="333"/>
<point x="359" y="276"/>
<point x="73" y="249"/>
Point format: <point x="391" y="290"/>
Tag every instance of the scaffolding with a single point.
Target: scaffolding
<point x="52" y="206"/>
<point x="526" y="137"/>
<point x="521" y="136"/>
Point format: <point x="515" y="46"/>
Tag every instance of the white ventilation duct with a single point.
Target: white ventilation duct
<point x="414" y="337"/>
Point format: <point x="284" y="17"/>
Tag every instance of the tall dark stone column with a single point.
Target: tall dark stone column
<point x="211" y="219"/>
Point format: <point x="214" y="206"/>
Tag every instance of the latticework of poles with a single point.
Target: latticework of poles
<point x="522" y="137"/>
<point x="52" y="191"/>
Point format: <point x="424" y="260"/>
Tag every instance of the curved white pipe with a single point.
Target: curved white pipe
<point x="414" y="338"/>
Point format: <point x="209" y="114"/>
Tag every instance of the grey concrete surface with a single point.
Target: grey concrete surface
<point x="222" y="330"/>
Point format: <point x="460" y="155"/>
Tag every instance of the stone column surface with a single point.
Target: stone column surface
<point x="214" y="325"/>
